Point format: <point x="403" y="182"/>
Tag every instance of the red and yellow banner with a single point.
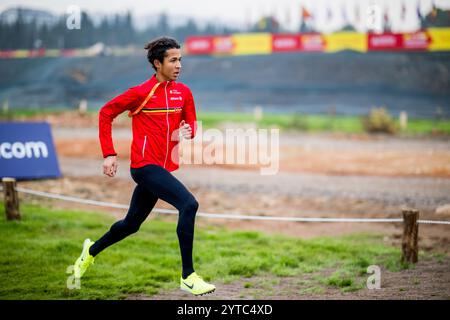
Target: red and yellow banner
<point x="345" y="41"/>
<point x="312" y="42"/>
<point x="432" y="39"/>
<point x="440" y="39"/>
<point x="252" y="43"/>
<point x="285" y="43"/>
<point x="384" y="42"/>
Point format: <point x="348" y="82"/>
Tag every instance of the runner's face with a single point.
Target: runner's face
<point x="171" y="66"/>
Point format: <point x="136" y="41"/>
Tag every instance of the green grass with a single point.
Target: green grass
<point x="23" y="113"/>
<point x="299" y="122"/>
<point x="320" y="123"/>
<point x="311" y="123"/>
<point x="36" y="251"/>
<point x="422" y="126"/>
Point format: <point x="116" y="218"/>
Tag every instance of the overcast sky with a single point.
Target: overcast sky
<point x="242" y="12"/>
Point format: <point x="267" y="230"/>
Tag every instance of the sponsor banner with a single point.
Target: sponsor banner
<point x="346" y="41"/>
<point x="20" y="53"/>
<point x="223" y="45"/>
<point x="27" y="151"/>
<point x="68" y="52"/>
<point x="199" y="45"/>
<point x="52" y="53"/>
<point x="416" y="40"/>
<point x="7" y="54"/>
<point x="209" y="45"/>
<point x="312" y="42"/>
<point x="432" y="39"/>
<point x="252" y="43"/>
<point x="439" y="39"/>
<point x="285" y="42"/>
<point x="384" y="41"/>
<point x="36" y="53"/>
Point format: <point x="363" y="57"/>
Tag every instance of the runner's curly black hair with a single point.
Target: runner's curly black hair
<point x="158" y="47"/>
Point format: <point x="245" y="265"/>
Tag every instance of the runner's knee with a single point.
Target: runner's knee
<point x="187" y="216"/>
<point x="190" y="207"/>
<point x="125" y="227"/>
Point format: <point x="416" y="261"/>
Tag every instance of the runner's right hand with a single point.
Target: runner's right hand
<point x="110" y="166"/>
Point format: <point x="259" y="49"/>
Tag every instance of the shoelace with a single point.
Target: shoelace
<point x="197" y="277"/>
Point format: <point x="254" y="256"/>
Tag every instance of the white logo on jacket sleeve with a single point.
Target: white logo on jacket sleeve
<point x="176" y="98"/>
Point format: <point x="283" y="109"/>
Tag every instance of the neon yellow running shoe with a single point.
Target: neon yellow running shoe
<point x="195" y="285"/>
<point x="85" y="259"/>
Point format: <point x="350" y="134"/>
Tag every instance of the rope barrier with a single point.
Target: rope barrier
<point x="219" y="215"/>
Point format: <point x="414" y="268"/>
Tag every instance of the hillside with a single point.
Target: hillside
<point x="351" y="83"/>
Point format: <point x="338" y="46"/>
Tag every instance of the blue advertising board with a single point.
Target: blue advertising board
<point x="27" y="151"/>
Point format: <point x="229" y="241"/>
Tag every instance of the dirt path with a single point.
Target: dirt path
<point x="331" y="154"/>
<point x="414" y="191"/>
<point x="427" y="280"/>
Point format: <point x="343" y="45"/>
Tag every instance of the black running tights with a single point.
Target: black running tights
<point x="153" y="183"/>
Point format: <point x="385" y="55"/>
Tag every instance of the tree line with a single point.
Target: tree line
<point x="116" y="30"/>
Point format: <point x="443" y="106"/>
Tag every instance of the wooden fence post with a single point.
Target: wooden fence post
<point x="11" y="199"/>
<point x="410" y="249"/>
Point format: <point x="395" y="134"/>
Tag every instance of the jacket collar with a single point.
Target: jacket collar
<point x="153" y="81"/>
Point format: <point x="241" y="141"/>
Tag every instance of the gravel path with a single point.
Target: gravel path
<point x="389" y="190"/>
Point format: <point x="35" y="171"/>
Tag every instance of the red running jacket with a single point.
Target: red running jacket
<point x="154" y="139"/>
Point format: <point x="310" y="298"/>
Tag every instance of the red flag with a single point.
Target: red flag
<point x="305" y="13"/>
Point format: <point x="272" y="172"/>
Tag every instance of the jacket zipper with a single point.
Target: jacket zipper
<point x="167" y="121"/>
<point x="143" y="147"/>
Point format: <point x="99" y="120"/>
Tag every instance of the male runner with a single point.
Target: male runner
<point x="162" y="111"/>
